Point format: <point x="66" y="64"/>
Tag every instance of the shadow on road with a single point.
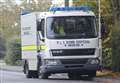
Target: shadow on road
<point x="85" y="78"/>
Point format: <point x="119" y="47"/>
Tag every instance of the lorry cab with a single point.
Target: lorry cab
<point x="71" y="42"/>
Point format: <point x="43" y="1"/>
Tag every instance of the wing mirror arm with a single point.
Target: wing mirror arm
<point x="41" y="36"/>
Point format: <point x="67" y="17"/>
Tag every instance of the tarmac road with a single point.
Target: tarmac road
<point x="19" y="77"/>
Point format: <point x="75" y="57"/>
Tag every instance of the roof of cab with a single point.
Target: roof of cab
<point x="69" y="11"/>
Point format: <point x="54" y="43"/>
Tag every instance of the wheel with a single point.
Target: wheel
<point x="44" y="76"/>
<point x="24" y="66"/>
<point x="74" y="76"/>
<point x="32" y="74"/>
<point x="35" y="74"/>
<point x="29" y="73"/>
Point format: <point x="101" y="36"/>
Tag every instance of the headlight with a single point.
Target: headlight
<point x="52" y="62"/>
<point x="93" y="61"/>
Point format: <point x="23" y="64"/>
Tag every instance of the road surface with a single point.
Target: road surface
<point x="19" y="77"/>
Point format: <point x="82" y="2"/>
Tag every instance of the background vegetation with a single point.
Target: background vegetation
<point x="10" y="28"/>
<point x="10" y="11"/>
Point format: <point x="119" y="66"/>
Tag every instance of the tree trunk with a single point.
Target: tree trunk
<point x="116" y="10"/>
<point x="116" y="35"/>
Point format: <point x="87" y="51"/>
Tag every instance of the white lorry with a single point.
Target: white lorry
<point x="64" y="40"/>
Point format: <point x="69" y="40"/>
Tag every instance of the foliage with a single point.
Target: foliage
<point x="84" y="2"/>
<point x="106" y="20"/>
<point x="2" y="48"/>
<point x="10" y="24"/>
<point x="13" y="53"/>
<point x="41" y="5"/>
<point x="107" y="58"/>
<point x="115" y="10"/>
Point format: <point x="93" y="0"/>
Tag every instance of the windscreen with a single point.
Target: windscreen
<point x="71" y="27"/>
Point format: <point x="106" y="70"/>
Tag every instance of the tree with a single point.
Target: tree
<point x="116" y="10"/>
<point x="35" y="5"/>
<point x="10" y="21"/>
<point x="116" y="35"/>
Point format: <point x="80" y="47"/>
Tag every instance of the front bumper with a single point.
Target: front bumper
<point x="83" y="69"/>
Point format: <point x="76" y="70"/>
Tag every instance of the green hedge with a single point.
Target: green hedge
<point x="2" y="47"/>
<point x="13" y="54"/>
<point x="107" y="58"/>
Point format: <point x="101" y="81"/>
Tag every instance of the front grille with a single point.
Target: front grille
<point x="74" y="61"/>
<point x="73" y="52"/>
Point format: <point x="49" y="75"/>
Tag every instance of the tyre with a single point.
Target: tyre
<point x="30" y="73"/>
<point x="44" y="76"/>
<point x="74" y="76"/>
<point x="24" y="66"/>
<point x="35" y="74"/>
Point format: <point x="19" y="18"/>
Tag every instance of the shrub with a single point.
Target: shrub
<point x="13" y="54"/>
<point x="2" y="48"/>
<point x="107" y="58"/>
